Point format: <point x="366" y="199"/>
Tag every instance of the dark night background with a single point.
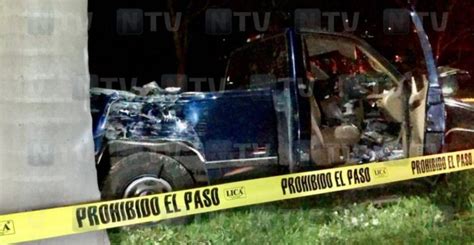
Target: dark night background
<point x="149" y="55"/>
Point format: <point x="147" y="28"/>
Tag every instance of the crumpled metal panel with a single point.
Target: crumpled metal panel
<point x="156" y="117"/>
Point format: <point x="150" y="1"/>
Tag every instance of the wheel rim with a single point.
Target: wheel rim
<point x="147" y="185"/>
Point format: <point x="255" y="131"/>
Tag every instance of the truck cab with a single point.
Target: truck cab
<point x="337" y="101"/>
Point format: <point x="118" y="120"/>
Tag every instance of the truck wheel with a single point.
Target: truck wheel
<point x="144" y="174"/>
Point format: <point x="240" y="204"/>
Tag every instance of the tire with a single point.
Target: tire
<point x="146" y="173"/>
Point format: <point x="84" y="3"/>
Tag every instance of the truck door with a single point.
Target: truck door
<point x="265" y="65"/>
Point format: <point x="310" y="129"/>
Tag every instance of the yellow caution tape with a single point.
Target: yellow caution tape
<point x="29" y="226"/>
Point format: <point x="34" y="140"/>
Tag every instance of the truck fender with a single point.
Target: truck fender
<point x="188" y="156"/>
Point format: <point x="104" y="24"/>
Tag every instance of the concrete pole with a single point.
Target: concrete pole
<point x="46" y="147"/>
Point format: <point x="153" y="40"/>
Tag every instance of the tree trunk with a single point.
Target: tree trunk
<point x="180" y="39"/>
<point x="181" y="46"/>
<point x="46" y="147"/>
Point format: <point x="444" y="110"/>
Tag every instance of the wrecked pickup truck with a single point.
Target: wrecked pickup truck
<point x="294" y="101"/>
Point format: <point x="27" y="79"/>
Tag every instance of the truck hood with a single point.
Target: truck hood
<point x="127" y="116"/>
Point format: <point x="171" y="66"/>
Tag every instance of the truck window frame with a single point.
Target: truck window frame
<point x="372" y="54"/>
<point x="249" y="45"/>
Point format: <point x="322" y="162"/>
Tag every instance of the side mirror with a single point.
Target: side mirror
<point x="450" y="79"/>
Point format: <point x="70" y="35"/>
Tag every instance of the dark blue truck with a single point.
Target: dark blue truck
<point x="294" y="101"/>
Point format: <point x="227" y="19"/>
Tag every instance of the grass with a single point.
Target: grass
<point x="444" y="215"/>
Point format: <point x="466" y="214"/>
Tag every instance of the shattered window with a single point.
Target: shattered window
<point x="260" y="63"/>
<point x="356" y="111"/>
<point x="332" y="60"/>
